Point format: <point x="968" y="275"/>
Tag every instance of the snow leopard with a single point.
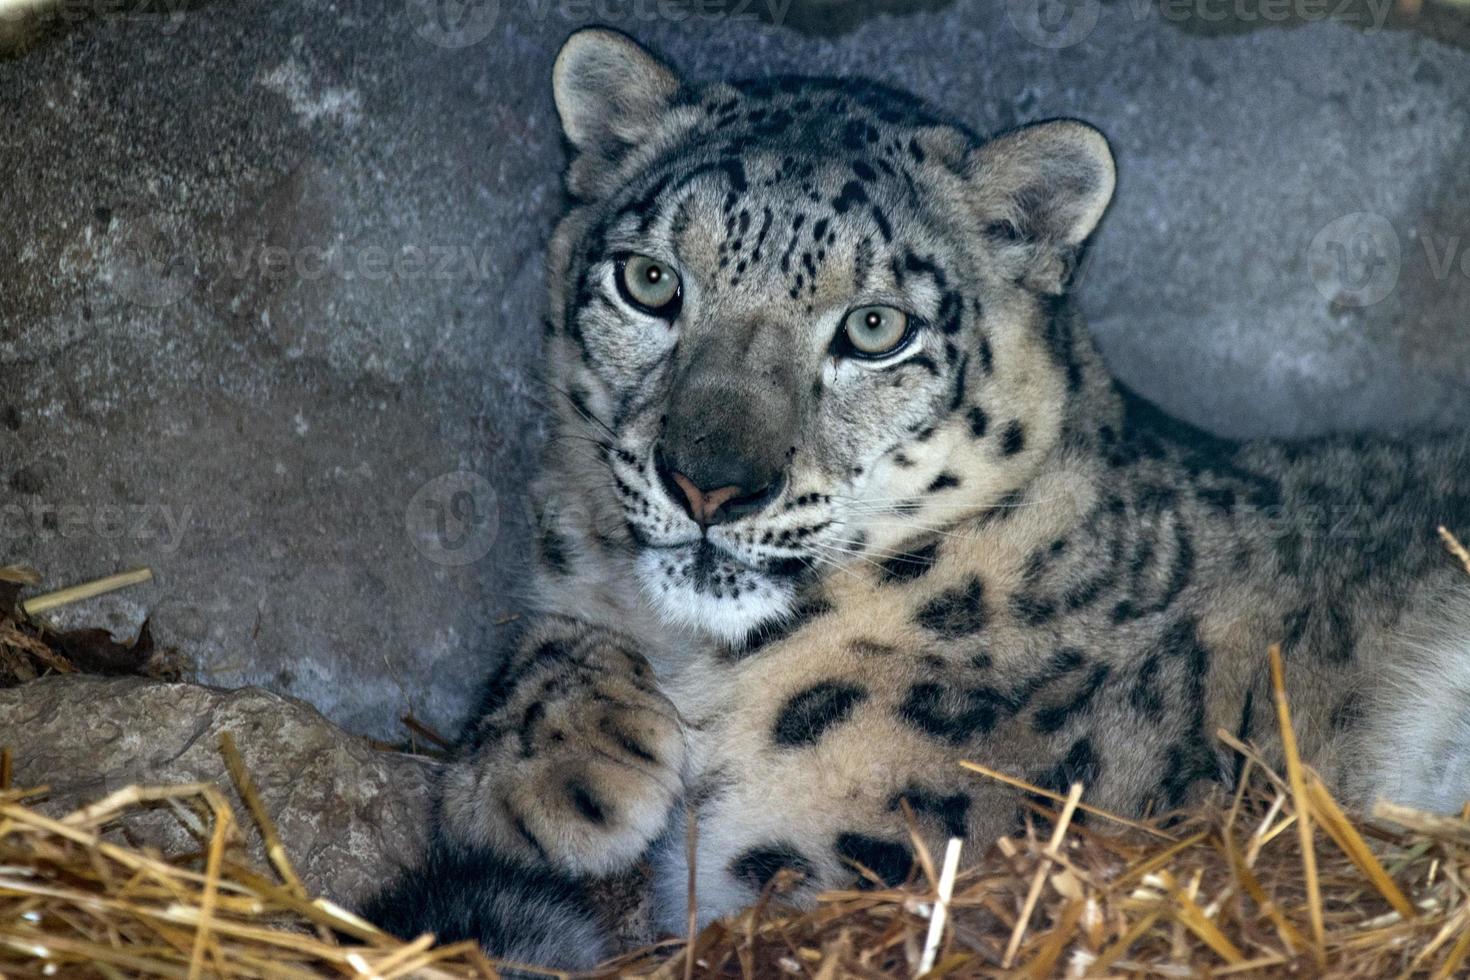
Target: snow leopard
<point x="841" y="494"/>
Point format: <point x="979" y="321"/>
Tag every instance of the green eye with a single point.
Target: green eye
<point x="649" y="285"/>
<point x="872" y="331"/>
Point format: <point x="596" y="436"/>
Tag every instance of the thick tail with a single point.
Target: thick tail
<point x="516" y="912"/>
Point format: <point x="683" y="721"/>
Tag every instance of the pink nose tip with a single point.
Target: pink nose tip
<point x="704" y="504"/>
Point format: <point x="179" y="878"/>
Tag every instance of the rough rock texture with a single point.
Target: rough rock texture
<point x="271" y="270"/>
<point x="347" y="812"/>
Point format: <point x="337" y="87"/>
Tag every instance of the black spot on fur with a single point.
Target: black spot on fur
<point x="956" y="612"/>
<point x="950" y="308"/>
<point x="807" y="715"/>
<point x="533" y="714"/>
<point x="924" y="267"/>
<point x="954" y="715"/>
<point x="952" y="811"/>
<point x="758" y="865"/>
<point x="1145" y="696"/>
<point x="1325" y="631"/>
<point x="1193" y="757"/>
<point x="987" y="356"/>
<point x="872" y="648"/>
<point x="588" y="805"/>
<point x="1013" y="439"/>
<point x="626" y="742"/>
<point x="1053" y="718"/>
<point x="852" y="193"/>
<point x="1080" y="765"/>
<point x="1186" y="763"/>
<point x="1065" y="661"/>
<point x="1033" y="610"/>
<point x="979" y="422"/>
<point x="889" y="860"/>
<point x="961" y="377"/>
<point x="910" y="565"/>
<point x="944" y="481"/>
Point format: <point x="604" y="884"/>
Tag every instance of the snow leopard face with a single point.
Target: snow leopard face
<point x="802" y="322"/>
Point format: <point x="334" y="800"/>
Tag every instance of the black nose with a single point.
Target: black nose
<point x="719" y="490"/>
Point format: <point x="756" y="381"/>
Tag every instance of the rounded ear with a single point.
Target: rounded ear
<point x="609" y="91"/>
<point x="1040" y="191"/>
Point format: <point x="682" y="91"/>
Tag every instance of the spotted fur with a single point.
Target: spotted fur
<point x="978" y="547"/>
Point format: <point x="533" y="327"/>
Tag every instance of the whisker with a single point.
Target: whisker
<point x="835" y="565"/>
<point x="584" y="412"/>
<point x="859" y="557"/>
<point x="859" y="547"/>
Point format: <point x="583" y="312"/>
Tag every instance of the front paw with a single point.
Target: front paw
<point x="579" y="769"/>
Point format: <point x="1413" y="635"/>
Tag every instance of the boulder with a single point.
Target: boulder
<point x="347" y="811"/>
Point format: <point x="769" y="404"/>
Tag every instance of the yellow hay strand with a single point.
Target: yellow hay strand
<point x="1297" y="778"/>
<point x="87" y="590"/>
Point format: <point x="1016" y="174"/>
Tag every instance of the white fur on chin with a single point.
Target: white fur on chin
<point x="680" y="601"/>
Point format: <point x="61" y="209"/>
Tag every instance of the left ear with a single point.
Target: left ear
<point x="1039" y="192"/>
<point x="611" y="95"/>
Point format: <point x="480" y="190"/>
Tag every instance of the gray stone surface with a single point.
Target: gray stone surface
<point x="214" y="313"/>
<point x="346" y="811"/>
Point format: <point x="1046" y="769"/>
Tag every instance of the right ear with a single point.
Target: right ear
<point x="1040" y="191"/>
<point x="611" y="95"/>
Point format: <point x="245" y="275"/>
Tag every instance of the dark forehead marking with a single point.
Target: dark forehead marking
<point x="862" y="262"/>
<point x="852" y="194"/>
<point x="767" y="216"/>
<point x="881" y="220"/>
<point x="647" y="205"/>
<point x="683" y="217"/>
<point x="925" y="266"/>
